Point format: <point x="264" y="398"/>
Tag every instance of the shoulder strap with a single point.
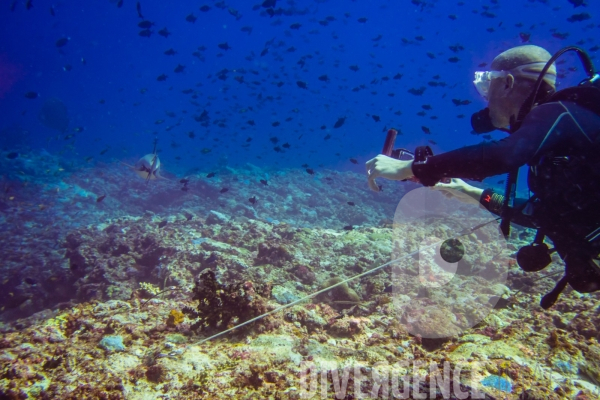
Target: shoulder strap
<point x="586" y="96"/>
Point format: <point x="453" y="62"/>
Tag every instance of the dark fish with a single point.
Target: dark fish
<point x="248" y="140"/>
<point x="559" y="35"/>
<point x="161" y="78"/>
<point x="304" y="165"/>
<point x="398" y="76"/>
<point x="31" y="281"/>
<point x="119" y="3"/>
<point x="376" y="118"/>
<point x="339" y="122"/>
<point x="103" y="151"/>
<point x="184" y="181"/>
<point x="524" y="37"/>
<point x="170" y="52"/>
<point x="252" y="200"/>
<point x="162" y="224"/>
<point x="179" y="68"/>
<point x="13" y="5"/>
<point x="224" y="46"/>
<point x="295" y="26"/>
<point x="264" y="52"/>
<point x="327" y="137"/>
<point x="362" y="20"/>
<point x="32" y="95"/>
<point x="52" y="11"/>
<point x="274" y="139"/>
<point x="269" y="3"/>
<point x="191" y="18"/>
<point x="264" y="182"/>
<point x="68" y="67"/>
<point x="191" y="134"/>
<point x="12" y="155"/>
<point x="211" y="174"/>
<point x="324" y="78"/>
<point x="354" y="161"/>
<point x="205" y="8"/>
<point x="301" y="85"/>
<point x="426" y="130"/>
<point x="164" y="32"/>
<point x="579" y="17"/>
<point x="145" y="33"/>
<point x="351" y="203"/>
<point x="432" y="142"/>
<point x="276" y="123"/>
<point x="286" y="145"/>
<point x="310" y="171"/>
<point x="459" y="102"/>
<point x="232" y="11"/>
<point x="354" y="68"/>
<point x="224" y="190"/>
<point x="99" y="199"/>
<point x="487" y="137"/>
<point x="247" y="29"/>
<point x="577" y="3"/>
<point x="145" y="24"/>
<point x="251" y="122"/>
<point x="500" y="182"/>
<point x="138" y="7"/>
<point x="348" y="227"/>
<point x="62" y="42"/>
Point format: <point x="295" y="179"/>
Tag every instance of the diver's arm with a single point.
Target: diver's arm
<point x="459" y="189"/>
<point x="493" y="158"/>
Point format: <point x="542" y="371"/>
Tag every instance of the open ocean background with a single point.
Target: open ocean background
<point x="106" y="75"/>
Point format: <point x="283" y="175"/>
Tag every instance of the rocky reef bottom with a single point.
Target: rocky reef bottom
<point x="117" y="306"/>
<point x="148" y="294"/>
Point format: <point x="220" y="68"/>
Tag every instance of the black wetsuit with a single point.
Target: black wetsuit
<point x="560" y="142"/>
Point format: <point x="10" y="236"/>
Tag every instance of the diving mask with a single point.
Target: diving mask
<point x="532" y="71"/>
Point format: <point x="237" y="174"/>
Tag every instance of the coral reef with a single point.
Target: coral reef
<point x="222" y="306"/>
<point x="110" y="310"/>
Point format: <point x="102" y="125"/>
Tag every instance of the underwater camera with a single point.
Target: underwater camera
<point x="419" y="156"/>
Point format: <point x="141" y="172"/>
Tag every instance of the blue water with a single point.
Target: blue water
<point x="112" y="92"/>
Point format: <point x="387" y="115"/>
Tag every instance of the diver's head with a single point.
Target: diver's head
<point x="511" y="80"/>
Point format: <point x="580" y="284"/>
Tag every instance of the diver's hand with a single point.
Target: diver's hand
<point x="388" y="168"/>
<point x="460" y="190"/>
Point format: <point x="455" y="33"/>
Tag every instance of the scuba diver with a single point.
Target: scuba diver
<point x="557" y="134"/>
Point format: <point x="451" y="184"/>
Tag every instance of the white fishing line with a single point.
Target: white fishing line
<point x="283" y="307"/>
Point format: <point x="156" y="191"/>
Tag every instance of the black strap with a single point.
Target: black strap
<point x="509" y="195"/>
<point x="549" y="299"/>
